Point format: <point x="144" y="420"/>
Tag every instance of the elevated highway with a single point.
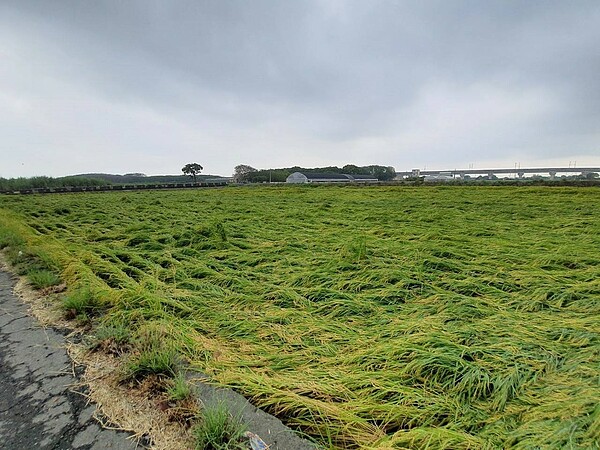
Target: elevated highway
<point x="490" y="173"/>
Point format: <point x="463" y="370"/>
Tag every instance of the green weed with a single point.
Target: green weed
<point x="41" y="279"/>
<point x="11" y="240"/>
<point x="217" y="429"/>
<point x="83" y="304"/>
<point x="153" y="362"/>
<point x="179" y="388"/>
<point x="112" y="338"/>
<point x="155" y="355"/>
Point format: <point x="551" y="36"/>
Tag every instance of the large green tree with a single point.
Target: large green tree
<point x="192" y="169"/>
<point x="241" y="173"/>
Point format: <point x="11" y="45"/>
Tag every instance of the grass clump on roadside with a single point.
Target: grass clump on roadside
<point x="158" y="361"/>
<point x="114" y="339"/>
<point x="217" y="429"/>
<point x="181" y="401"/>
<point x="29" y="262"/>
<point x="179" y="389"/>
<point x="11" y="241"/>
<point x="41" y="279"/>
<point x="83" y="305"/>
<point x="154" y="355"/>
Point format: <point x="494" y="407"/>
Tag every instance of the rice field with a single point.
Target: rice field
<point x="371" y="317"/>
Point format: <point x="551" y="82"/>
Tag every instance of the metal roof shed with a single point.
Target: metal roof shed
<point x="363" y="178"/>
<point x="298" y="177"/>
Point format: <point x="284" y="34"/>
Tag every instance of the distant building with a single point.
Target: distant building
<point x="442" y="176"/>
<point x="298" y="177"/>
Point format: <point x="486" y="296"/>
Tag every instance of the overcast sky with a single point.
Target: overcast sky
<point x="148" y="86"/>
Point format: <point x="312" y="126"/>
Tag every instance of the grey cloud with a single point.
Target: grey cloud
<point x="290" y="82"/>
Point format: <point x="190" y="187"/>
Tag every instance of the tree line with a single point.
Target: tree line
<point x="247" y="174"/>
<point x="93" y="179"/>
<point x="21" y="183"/>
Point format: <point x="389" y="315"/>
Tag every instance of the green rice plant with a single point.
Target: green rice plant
<point x="217" y="429"/>
<point x="385" y="317"/>
<point x="220" y="231"/>
<point x="354" y="251"/>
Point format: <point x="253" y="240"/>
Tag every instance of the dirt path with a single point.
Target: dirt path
<point x="38" y="406"/>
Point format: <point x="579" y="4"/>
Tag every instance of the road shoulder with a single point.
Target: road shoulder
<point x="42" y="402"/>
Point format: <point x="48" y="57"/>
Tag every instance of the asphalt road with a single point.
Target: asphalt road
<point x="38" y="406"/>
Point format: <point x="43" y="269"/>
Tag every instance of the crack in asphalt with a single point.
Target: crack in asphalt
<point x="39" y="406"/>
<point x="12" y="320"/>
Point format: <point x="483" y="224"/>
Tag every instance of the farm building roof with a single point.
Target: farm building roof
<point x="299" y="177"/>
<point x="328" y="176"/>
<point x="363" y="177"/>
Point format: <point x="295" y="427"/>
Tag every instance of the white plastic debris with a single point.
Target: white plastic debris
<point x="255" y="441"/>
